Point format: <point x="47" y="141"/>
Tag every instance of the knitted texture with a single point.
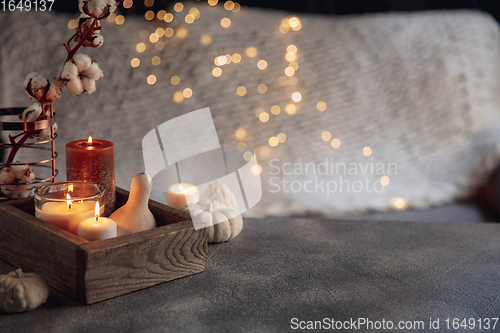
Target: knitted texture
<point x="419" y="89"/>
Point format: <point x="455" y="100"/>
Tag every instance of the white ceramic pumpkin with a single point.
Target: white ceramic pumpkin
<point x="220" y="192"/>
<point x="222" y="222"/>
<point x="21" y="292"/>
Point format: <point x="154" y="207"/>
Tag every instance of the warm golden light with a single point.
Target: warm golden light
<point x="120" y="19"/>
<point x="225" y="22"/>
<point x="220" y="61"/>
<point x="294" y="65"/>
<point x="290" y="109"/>
<point x="149" y="15"/>
<point x="262" y="88"/>
<point x="251" y="52"/>
<point x="151" y="79"/>
<point x="68" y="200"/>
<point x="127" y="4"/>
<point x="161" y="14"/>
<point x="321" y="106"/>
<point x="275" y="110"/>
<point x="237" y="7"/>
<point x="181" y="33"/>
<point x="217" y="71"/>
<point x="169" y="32"/>
<point x="111" y="18"/>
<point x="71" y="24"/>
<point x="281" y="137"/>
<point x="262" y="64"/>
<point x="97" y="211"/>
<point x="178" y="7"/>
<point x="399" y="203"/>
<point x="236" y="58"/>
<point x="264" y="117"/>
<point x="194" y="11"/>
<point x="326" y="136"/>
<point x="282" y="81"/>
<point x="385" y="180"/>
<point x="259" y="111"/>
<point x="367" y="151"/>
<point x="336" y="143"/>
<point x="228" y="59"/>
<point x="247" y="156"/>
<point x="187" y="93"/>
<point x="178" y="97"/>
<point x="291" y="48"/>
<point x="160" y="32"/>
<point x="89" y="141"/>
<point x="140" y="47"/>
<point x="273" y="141"/>
<point x="292" y="80"/>
<point x="149" y="3"/>
<point x="296" y="97"/>
<point x="256" y="169"/>
<point x="241" y="146"/>
<point x="240" y="133"/>
<point x="153" y="38"/>
<point x="189" y="18"/>
<point x="289" y="71"/>
<point x="290" y="57"/>
<point x="169" y="17"/>
<point x="264" y="151"/>
<point x="241" y="91"/>
<point x="228" y="5"/>
<point x="135" y="62"/>
<point x="284" y="28"/>
<point x="294" y="22"/>
<point x="206" y="39"/>
<point x="213" y="2"/>
<point x="297" y="28"/>
<point x="175" y="80"/>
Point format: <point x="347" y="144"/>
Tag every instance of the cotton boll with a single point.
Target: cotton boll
<point x="55" y="90"/>
<point x="82" y="61"/>
<point x="75" y="86"/>
<point x="31" y="113"/>
<point x="45" y="133"/>
<point x="88" y="85"/>
<point x="94" y="41"/>
<point x="99" y="9"/>
<point x="93" y="72"/>
<point x="19" y="170"/>
<point x="7" y="175"/>
<point x="36" y="85"/>
<point x="69" y="71"/>
<point x="24" y="191"/>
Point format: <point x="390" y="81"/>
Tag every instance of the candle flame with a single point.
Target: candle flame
<point x="68" y="200"/>
<point x="89" y="141"/>
<point x="181" y="189"/>
<point x="97" y="211"/>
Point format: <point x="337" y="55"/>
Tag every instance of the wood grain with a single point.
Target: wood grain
<point x="95" y="271"/>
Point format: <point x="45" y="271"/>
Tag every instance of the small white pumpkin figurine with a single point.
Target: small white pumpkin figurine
<point x="20" y="292"/>
<point x="220" y="192"/>
<point x="135" y="215"/>
<point x="223" y="223"/>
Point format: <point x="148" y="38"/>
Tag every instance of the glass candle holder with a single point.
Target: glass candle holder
<point x="66" y="204"/>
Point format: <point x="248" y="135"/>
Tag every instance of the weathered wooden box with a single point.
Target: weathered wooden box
<point x="95" y="271"/>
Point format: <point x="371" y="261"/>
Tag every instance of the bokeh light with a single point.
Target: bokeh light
<point x="336" y="143"/>
<point x="321" y="106"/>
<point x="206" y="39"/>
<point x="178" y="7"/>
<point x="290" y="109"/>
<point x="264" y="117"/>
<point x="385" y="180"/>
<point x="367" y="151"/>
<point x="236" y="58"/>
<point x="281" y="137"/>
<point x="169" y="17"/>
<point x="151" y="79"/>
<point x="156" y="61"/>
<point x="140" y="47"/>
<point x="149" y="15"/>
<point x="225" y="22"/>
<point x="217" y="71"/>
<point x="187" y="93"/>
<point x="135" y="62"/>
<point x="251" y="52"/>
<point x="178" y="97"/>
<point x="262" y="64"/>
<point x="262" y="88"/>
<point x="275" y="110"/>
<point x="175" y="80"/>
<point x="326" y="136"/>
<point x="296" y="97"/>
<point x="181" y="33"/>
<point x="241" y="91"/>
<point x="273" y="141"/>
<point x="240" y="133"/>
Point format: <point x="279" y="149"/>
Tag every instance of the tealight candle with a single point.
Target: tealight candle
<point x="66" y="204"/>
<point x="97" y="228"/>
<point x="181" y="195"/>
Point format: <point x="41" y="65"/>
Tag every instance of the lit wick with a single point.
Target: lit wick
<point x="68" y="201"/>
<point x="97" y="211"/>
<point x="89" y="141"/>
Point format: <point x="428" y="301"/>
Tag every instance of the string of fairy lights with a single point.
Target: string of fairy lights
<point x="287" y="25"/>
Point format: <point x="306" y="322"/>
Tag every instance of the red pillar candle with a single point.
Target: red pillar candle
<point x="93" y="161"/>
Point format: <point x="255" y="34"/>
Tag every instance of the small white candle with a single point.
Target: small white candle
<point x="97" y="228"/>
<point x="66" y="215"/>
<point x="181" y="195"/>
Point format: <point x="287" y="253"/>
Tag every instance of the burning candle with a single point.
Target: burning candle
<point x="181" y="195"/>
<point x="66" y="204"/>
<point x="97" y="228"/>
<point x="93" y="161"/>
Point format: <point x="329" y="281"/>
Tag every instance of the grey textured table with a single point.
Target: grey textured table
<point x="277" y="270"/>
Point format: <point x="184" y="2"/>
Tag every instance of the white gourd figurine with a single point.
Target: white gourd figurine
<point x="135" y="215"/>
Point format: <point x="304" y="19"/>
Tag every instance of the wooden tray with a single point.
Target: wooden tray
<point x="96" y="271"/>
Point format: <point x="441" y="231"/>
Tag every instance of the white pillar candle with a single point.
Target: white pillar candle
<point x="181" y="195"/>
<point x="66" y="215"/>
<point x="97" y="228"/>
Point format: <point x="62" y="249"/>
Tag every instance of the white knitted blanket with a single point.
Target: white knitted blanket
<point x="421" y="90"/>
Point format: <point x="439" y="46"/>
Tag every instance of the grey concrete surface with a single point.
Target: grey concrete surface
<point x="280" y="269"/>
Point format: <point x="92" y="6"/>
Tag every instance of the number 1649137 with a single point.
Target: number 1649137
<point x="26" y="5"/>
